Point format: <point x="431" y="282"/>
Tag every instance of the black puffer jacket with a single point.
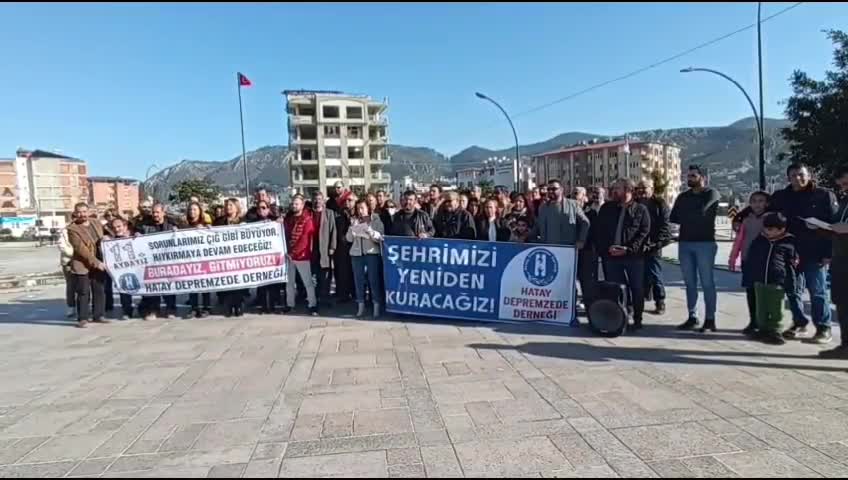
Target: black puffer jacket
<point x="814" y="202"/>
<point x="660" y="235"/>
<point x="456" y="224"/>
<point x="634" y="231"/>
<point x="771" y="262"/>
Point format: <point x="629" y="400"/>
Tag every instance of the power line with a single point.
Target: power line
<point x="650" y="66"/>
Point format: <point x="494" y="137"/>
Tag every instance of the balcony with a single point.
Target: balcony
<point x="378" y="139"/>
<point x="302" y="119"/>
<point x="378" y="119"/>
<point x="380" y="177"/>
<point x="380" y="160"/>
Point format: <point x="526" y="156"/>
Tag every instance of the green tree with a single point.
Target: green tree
<point x="818" y="110"/>
<point x="205" y="190"/>
<point x="487" y="187"/>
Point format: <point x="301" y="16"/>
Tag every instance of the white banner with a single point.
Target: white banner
<point x="198" y="260"/>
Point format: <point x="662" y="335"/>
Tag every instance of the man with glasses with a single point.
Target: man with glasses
<point x="695" y="211"/>
<point x="333" y="203"/>
<point x="800" y="200"/>
<point x="561" y="220"/>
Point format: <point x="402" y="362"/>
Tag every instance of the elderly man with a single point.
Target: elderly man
<point x="622" y="227"/>
<point x="800" y="200"/>
<point x="87" y="271"/>
<point x="660" y="237"/>
<point x="324" y="246"/>
<point x="561" y="220"/>
<point x="452" y="221"/>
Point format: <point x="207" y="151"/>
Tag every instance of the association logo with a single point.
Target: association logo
<point x="129" y="282"/>
<point x="540" y="267"/>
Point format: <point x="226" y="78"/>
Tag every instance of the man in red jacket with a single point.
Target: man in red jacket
<point x="300" y="236"/>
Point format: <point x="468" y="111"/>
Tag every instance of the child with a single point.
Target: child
<point x="521" y="231"/>
<point x="121" y="230"/>
<point x="770" y="270"/>
<point x="750" y="227"/>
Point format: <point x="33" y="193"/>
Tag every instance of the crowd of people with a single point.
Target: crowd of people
<point x="336" y="241"/>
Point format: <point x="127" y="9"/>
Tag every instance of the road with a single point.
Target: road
<point x="331" y="396"/>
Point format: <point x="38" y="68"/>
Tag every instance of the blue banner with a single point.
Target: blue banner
<point x="475" y="280"/>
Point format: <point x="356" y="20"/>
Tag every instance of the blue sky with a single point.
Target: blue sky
<point x="124" y="86"/>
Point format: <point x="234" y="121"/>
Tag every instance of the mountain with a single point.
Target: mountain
<point x="728" y="152"/>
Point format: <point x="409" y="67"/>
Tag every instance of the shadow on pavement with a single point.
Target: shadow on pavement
<point x="596" y="353"/>
<point x="35" y="312"/>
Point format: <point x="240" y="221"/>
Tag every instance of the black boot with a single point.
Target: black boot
<point x="690" y="324"/>
<point x="751" y="330"/>
<point x="709" y="324"/>
<point x="660" y="307"/>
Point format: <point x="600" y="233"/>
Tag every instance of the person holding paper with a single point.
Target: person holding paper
<point x="839" y="267"/>
<point x="804" y="199"/>
<point x="365" y="234"/>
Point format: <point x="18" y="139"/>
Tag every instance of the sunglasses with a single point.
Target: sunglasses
<point x="263" y="208"/>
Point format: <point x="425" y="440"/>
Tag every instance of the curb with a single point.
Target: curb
<point x="32" y="280"/>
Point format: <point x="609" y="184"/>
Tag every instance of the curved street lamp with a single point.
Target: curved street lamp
<point x="758" y="119"/>
<point x="147" y="177"/>
<point x="515" y="163"/>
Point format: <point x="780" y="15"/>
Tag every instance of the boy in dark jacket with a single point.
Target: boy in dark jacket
<point x="770" y="269"/>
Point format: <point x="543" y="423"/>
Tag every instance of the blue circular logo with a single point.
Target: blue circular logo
<point x="540" y="267"/>
<point x="129" y="282"/>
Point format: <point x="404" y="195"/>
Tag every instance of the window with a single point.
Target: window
<point x="357" y="171"/>
<point x="353" y="112"/>
<point x="307" y="154"/>
<point x="354" y="153"/>
<point x="8" y="193"/>
<point x="354" y="132"/>
<point x="332" y="152"/>
<point x="306" y="110"/>
<point x="334" y="172"/>
<point x="330" y="111"/>
<point x="8" y="204"/>
<point x="331" y="131"/>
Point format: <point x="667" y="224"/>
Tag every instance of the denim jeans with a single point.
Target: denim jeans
<point x="697" y="259"/>
<point x="366" y="268"/>
<point x="654" y="278"/>
<point x="815" y="277"/>
<point x="628" y="271"/>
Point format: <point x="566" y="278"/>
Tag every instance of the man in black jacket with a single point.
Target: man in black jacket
<point x="659" y="237"/>
<point x="803" y="199"/>
<point x="452" y="221"/>
<point x="411" y="222"/>
<point x="622" y="228"/>
<point x="587" y="257"/>
<point x="149" y="305"/>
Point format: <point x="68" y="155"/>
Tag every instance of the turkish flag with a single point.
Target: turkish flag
<point x="243" y="81"/>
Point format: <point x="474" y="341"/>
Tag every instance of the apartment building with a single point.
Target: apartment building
<point x="497" y="172"/>
<point x="50" y="184"/>
<point x="114" y="193"/>
<point x="8" y="188"/>
<point x="334" y="137"/>
<point x="600" y="163"/>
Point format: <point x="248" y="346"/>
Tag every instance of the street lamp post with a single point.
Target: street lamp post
<point x="147" y="177"/>
<point x="762" y="112"/>
<point x="757" y="117"/>
<point x="515" y="163"/>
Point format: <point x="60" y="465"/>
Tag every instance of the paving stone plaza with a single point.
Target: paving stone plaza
<point x="297" y="396"/>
